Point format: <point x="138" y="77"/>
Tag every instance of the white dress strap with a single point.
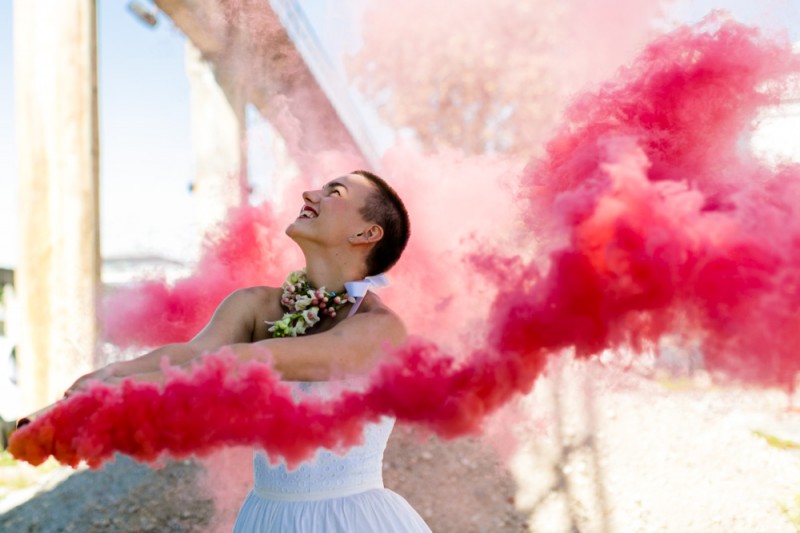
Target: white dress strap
<point x="359" y="289"/>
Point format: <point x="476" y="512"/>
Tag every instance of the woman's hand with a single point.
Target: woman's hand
<point x="105" y="375"/>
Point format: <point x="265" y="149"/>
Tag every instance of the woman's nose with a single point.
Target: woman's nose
<point x="311" y="196"/>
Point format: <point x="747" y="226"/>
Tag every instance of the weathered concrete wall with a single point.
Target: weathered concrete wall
<point x="57" y="140"/>
<point x="218" y="130"/>
<point x="251" y="50"/>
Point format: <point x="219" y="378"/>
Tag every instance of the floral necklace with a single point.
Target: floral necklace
<point x="305" y="304"/>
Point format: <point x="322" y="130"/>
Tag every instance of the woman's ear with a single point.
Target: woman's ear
<point x="374" y="233"/>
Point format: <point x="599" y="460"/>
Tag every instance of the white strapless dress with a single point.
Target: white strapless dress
<point x="330" y="494"/>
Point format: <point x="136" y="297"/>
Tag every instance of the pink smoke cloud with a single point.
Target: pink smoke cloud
<point x="250" y="249"/>
<point x="666" y="225"/>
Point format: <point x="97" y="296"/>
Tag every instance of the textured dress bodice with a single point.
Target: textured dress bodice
<point x="329" y="493"/>
<point x="327" y="474"/>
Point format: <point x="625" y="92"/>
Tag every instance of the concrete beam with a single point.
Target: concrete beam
<point x="55" y="74"/>
<point x="253" y="55"/>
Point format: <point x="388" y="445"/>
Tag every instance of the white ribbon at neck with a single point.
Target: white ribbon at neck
<point x="359" y="289"/>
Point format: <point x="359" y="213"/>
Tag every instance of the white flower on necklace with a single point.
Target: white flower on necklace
<point x="305" y="304"/>
<point x="299" y="328"/>
<point x="302" y="302"/>
<point x="311" y="316"/>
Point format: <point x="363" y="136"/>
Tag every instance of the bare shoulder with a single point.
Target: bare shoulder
<point x="373" y="304"/>
<point x="259" y="292"/>
<point x="250" y="305"/>
<point x="261" y="300"/>
<point x="376" y="312"/>
<point x="236" y="319"/>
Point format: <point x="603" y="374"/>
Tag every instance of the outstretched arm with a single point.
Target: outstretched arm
<point x="352" y="346"/>
<point x="231" y="323"/>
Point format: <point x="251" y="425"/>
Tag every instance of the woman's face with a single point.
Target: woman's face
<point x="331" y="215"/>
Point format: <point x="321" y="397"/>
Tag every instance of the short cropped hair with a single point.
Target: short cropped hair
<point x="385" y="208"/>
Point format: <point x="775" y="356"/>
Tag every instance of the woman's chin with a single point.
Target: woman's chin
<point x="297" y="230"/>
<point x="293" y="229"/>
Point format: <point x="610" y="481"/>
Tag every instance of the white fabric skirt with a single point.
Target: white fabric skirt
<point x="378" y="510"/>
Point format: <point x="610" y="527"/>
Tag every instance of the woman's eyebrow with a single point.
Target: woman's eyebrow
<point x="333" y="184"/>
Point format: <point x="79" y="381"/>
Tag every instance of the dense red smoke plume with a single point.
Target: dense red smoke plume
<point x="666" y="225"/>
<point x="669" y="224"/>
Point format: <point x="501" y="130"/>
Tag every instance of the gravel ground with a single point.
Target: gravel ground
<point x="612" y="451"/>
<point x="124" y="497"/>
<point x="457" y="486"/>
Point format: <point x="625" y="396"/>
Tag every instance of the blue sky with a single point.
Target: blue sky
<point x="146" y="164"/>
<point x="146" y="160"/>
<point x="144" y="127"/>
<point x="776" y="14"/>
<point x="8" y="190"/>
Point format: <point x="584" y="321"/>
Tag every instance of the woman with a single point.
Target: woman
<point x="355" y="226"/>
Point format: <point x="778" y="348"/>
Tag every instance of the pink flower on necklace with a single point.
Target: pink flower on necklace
<point x="311" y="316"/>
<point x="304" y="304"/>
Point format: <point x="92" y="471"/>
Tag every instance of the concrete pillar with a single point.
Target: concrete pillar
<point x="55" y="74"/>
<point x="218" y="130"/>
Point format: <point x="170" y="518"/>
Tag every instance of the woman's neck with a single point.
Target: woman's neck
<point x="332" y="274"/>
